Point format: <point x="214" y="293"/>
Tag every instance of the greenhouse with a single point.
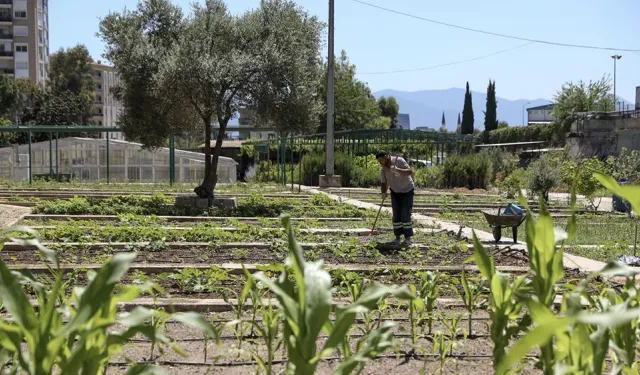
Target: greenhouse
<point x="88" y="159"/>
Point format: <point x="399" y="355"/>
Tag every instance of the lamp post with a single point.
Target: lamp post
<point x="615" y="59"/>
<point x="523" y="113"/>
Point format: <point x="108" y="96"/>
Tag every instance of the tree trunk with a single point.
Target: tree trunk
<point x="208" y="186"/>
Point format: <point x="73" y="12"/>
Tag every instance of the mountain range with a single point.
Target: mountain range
<point x="425" y="107"/>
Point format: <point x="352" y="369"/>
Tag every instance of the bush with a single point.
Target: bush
<point x="544" y="175"/>
<point x="502" y="163"/>
<point x="430" y="177"/>
<point x="625" y="166"/>
<point x="550" y="133"/>
<point x="467" y="171"/>
<point x="514" y="182"/>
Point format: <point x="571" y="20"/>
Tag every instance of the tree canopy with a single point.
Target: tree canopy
<point x="573" y="98"/>
<point x="355" y="106"/>
<point x="389" y="108"/>
<point x="182" y="73"/>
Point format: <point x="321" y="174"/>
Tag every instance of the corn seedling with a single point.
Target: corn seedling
<point x="306" y="307"/>
<point x="443" y="347"/>
<point x="36" y="341"/>
<point x="472" y="292"/>
<point x="504" y="303"/>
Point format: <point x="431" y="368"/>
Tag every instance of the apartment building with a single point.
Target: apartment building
<point x="106" y="108"/>
<point x="24" y="39"/>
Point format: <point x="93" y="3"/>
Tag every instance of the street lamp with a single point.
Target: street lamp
<point x="523" y="113"/>
<point x="615" y="59"/>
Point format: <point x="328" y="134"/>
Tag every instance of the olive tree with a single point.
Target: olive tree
<point x="186" y="73"/>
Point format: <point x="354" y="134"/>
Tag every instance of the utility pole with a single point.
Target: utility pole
<point x="615" y="59"/>
<point x="524" y="105"/>
<point x="330" y="96"/>
<point x="329" y="179"/>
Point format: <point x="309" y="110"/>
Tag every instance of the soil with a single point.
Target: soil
<point x="435" y="256"/>
<point x="10" y="215"/>
<point x="230" y="355"/>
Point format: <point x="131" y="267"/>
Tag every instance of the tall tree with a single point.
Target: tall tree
<point x="390" y="108"/>
<point x="573" y="98"/>
<point x="459" y="125"/>
<point x="355" y="105"/>
<point x="175" y="70"/>
<point x="443" y="124"/>
<point x="70" y="71"/>
<point x="491" y="112"/>
<point x="467" y="113"/>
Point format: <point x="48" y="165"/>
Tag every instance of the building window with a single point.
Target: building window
<point x="98" y="87"/>
<point x="22" y="48"/>
<point x="20" y="14"/>
<point x="20" y="31"/>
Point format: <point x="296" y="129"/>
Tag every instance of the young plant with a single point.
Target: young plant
<point x="37" y="341"/>
<point x="443" y="347"/>
<point x="306" y="307"/>
<point x="504" y="303"/>
<point x="472" y="292"/>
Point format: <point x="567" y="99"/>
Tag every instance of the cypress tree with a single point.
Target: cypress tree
<point x="491" y="113"/>
<point x="467" y="113"/>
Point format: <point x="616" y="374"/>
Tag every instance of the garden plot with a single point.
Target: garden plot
<point x="440" y="319"/>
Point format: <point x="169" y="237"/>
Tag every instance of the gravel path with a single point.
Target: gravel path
<point x="9" y="215"/>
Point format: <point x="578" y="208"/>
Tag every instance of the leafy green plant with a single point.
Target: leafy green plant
<point x="472" y="291"/>
<point x="306" y="307"/>
<point x="38" y="340"/>
<point x="504" y="303"/>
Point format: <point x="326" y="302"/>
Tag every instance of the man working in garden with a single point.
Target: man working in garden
<point x="396" y="176"/>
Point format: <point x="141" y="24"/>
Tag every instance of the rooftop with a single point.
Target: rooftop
<point x="542" y="107"/>
<point x="227" y="143"/>
<point x="511" y="144"/>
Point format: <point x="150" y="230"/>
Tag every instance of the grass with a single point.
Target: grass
<point x="603" y="230"/>
<point x="161" y="187"/>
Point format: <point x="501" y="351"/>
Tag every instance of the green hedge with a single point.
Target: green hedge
<point x="550" y="133"/>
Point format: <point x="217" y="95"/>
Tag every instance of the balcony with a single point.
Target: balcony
<point x="6" y="2"/>
<point x="6" y="36"/>
<point x="7" y="71"/>
<point x="6" y="53"/>
<point x="5" y="18"/>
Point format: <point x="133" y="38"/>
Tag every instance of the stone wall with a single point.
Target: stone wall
<point x="603" y="136"/>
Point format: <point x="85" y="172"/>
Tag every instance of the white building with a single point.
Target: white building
<point x="540" y="115"/>
<point x="84" y="159"/>
<point x="246" y="119"/>
<point x="106" y="109"/>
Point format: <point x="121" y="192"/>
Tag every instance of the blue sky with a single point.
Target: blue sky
<point x="379" y="41"/>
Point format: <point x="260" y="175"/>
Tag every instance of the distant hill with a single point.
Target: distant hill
<point x="425" y="107"/>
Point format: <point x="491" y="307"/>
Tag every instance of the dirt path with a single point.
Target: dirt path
<point x="9" y="215"/>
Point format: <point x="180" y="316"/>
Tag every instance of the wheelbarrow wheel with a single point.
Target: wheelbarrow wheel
<point x="497" y="233"/>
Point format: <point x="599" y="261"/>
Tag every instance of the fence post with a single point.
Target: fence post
<point x="107" y="157"/>
<point x="50" y="156"/>
<point x="57" y="159"/>
<point x="292" y="165"/>
<point x="30" y="165"/>
<point x="172" y="161"/>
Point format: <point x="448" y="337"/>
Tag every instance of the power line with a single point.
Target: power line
<point x="447" y="64"/>
<point x="495" y="34"/>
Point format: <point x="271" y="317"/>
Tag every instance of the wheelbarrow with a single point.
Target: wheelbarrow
<point x="497" y="221"/>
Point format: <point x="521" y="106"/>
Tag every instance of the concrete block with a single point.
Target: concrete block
<point x="225" y="202"/>
<point x="195" y="201"/>
<point x="330" y="181"/>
